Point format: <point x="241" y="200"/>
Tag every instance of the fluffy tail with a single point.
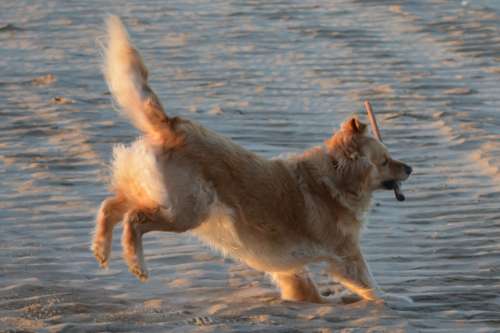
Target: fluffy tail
<point x="127" y="79"/>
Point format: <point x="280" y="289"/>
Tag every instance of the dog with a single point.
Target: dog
<point x="276" y="215"/>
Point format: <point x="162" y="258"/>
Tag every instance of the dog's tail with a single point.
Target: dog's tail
<point x="127" y="79"/>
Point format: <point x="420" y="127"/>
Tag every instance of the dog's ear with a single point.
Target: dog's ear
<point x="344" y="143"/>
<point x="353" y="125"/>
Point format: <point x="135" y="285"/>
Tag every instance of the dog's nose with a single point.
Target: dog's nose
<point x="408" y="169"/>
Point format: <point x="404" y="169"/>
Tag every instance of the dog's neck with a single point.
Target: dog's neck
<point x="316" y="170"/>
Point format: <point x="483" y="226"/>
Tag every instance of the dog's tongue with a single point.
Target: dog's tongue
<point x="398" y="193"/>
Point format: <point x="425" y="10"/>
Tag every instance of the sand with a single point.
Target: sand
<point x="276" y="78"/>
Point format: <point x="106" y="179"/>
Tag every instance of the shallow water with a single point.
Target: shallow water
<point x="275" y="77"/>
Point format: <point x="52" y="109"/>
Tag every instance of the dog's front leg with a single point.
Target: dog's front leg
<point x="297" y="286"/>
<point x="353" y="273"/>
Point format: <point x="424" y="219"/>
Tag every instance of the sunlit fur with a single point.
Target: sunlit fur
<point x="275" y="215"/>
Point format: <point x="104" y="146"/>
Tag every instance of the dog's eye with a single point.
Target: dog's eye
<point x="385" y="162"/>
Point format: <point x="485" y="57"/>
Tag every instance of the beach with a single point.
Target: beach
<point x="277" y="78"/>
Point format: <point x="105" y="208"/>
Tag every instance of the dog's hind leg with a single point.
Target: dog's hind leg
<point x="111" y="212"/>
<point x="132" y="243"/>
<point x="136" y="223"/>
<point x="297" y="286"/>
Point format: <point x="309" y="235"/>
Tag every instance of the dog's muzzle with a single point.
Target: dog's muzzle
<point x="394" y="185"/>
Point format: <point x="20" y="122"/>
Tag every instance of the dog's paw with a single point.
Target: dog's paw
<point x="139" y="272"/>
<point x="101" y="253"/>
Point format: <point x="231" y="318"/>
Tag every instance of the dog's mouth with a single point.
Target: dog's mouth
<point x="396" y="186"/>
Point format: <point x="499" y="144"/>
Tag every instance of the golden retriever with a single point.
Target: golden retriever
<point x="275" y="215"/>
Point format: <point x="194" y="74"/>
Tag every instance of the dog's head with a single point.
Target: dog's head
<point x="363" y="163"/>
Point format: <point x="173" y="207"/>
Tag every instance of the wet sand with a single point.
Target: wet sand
<point x="275" y="78"/>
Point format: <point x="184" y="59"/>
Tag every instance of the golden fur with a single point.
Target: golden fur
<point x="275" y="215"/>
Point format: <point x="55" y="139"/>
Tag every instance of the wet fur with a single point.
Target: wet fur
<point x="275" y="215"/>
